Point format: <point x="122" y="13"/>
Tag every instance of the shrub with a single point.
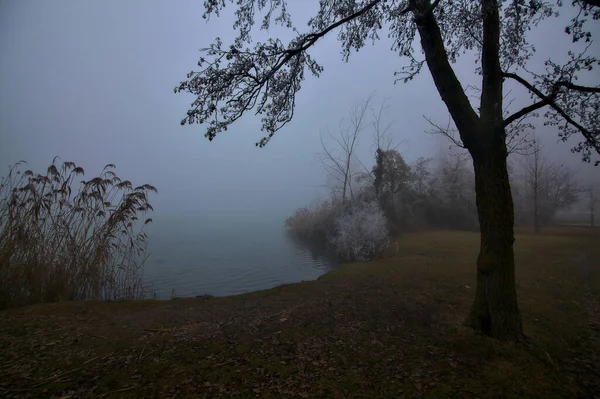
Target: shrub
<point x="361" y="232"/>
<point x="58" y="246"/>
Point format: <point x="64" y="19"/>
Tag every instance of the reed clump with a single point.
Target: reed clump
<point x="57" y="243"/>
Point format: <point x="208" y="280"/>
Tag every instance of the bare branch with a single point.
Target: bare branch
<point x="380" y="134"/>
<point x="338" y="164"/>
<point x="448" y="132"/>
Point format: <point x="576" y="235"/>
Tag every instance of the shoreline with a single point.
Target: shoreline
<point x="370" y="329"/>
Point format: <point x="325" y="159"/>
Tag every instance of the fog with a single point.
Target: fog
<point x="92" y="82"/>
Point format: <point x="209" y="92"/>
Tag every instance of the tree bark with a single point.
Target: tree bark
<point x="495" y="310"/>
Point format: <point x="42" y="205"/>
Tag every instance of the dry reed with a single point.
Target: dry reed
<point x="57" y="246"/>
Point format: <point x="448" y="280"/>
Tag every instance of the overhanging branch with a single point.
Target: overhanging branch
<point x="265" y="79"/>
<point x="584" y="89"/>
<point x="313" y="37"/>
<point x="525" y="83"/>
<point x="526" y="110"/>
<point x="595" y="3"/>
<point x="549" y="100"/>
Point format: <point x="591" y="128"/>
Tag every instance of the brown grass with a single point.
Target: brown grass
<point x="59" y="243"/>
<point x="314" y="224"/>
<point x="387" y="328"/>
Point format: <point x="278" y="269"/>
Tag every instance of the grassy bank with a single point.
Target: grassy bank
<point x="388" y="328"/>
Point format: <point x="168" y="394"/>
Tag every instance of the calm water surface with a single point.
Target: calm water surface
<point x="190" y="258"/>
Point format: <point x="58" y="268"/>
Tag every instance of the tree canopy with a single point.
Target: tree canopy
<point x="265" y="77"/>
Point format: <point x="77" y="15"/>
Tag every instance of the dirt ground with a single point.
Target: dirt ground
<point x="387" y="328"/>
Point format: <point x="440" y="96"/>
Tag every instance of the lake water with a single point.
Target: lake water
<point x="190" y="258"/>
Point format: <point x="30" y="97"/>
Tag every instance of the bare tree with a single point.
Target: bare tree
<point x="534" y="166"/>
<point x="521" y="200"/>
<point x="235" y="79"/>
<point x="552" y="187"/>
<point x="560" y="190"/>
<point x="455" y="181"/>
<point x="338" y="155"/>
<point x="382" y="137"/>
<point x="382" y="140"/>
<point x="390" y="171"/>
<point x="421" y="176"/>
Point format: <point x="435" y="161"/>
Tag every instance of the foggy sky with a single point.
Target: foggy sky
<point x="93" y="83"/>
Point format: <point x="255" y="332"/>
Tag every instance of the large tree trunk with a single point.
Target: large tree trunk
<point x="495" y="311"/>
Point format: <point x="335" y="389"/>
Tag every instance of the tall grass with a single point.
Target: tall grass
<point x="314" y="225"/>
<point x="58" y="246"/>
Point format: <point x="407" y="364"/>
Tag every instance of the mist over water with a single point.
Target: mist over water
<point x="193" y="256"/>
<point x="218" y="224"/>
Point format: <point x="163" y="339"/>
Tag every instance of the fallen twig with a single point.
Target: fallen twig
<point x="160" y="329"/>
<point x="223" y="364"/>
<point x="229" y="362"/>
<point x="146" y="355"/>
<point x="117" y="391"/>
<point x="58" y="377"/>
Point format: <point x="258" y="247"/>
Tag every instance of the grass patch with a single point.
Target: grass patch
<point x="387" y="328"/>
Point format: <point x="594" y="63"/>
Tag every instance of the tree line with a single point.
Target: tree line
<point x="434" y="192"/>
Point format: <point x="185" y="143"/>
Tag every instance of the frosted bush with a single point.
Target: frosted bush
<point x="361" y="233"/>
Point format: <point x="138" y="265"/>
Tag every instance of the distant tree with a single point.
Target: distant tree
<point x="391" y="173"/>
<point x="592" y="205"/>
<point x="519" y="191"/>
<point x="382" y="140"/>
<point x="391" y="182"/>
<point x="455" y="181"/>
<point x="560" y="190"/>
<point x="534" y="167"/>
<point x="552" y="187"/>
<point x="421" y="176"/>
<point x="266" y="78"/>
<point x="453" y="192"/>
<point x="382" y="137"/>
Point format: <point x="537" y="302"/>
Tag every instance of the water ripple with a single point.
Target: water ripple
<point x="220" y="265"/>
